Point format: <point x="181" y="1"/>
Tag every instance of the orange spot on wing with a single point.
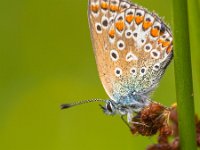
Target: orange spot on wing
<point x="155" y="32"/>
<point x="129" y="18"/>
<point x="119" y="25"/>
<point x="139" y="19"/>
<point x="166" y="43"/>
<point x="147" y="24"/>
<point x="113" y="8"/>
<point x="111" y="33"/>
<point x="104" y="5"/>
<point x="120" y="9"/>
<point x="95" y="8"/>
<point x="169" y="49"/>
<point x="160" y="41"/>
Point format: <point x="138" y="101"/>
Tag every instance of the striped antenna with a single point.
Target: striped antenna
<point x="65" y="106"/>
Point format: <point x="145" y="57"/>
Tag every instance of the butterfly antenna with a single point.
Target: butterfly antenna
<point x="65" y="106"/>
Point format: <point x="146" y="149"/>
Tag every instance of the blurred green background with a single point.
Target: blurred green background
<point x="46" y="59"/>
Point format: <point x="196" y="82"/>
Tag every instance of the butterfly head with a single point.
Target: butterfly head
<point x="112" y="108"/>
<point x="109" y="108"/>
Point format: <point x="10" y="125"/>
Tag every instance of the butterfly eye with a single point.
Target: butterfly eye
<point x="109" y="107"/>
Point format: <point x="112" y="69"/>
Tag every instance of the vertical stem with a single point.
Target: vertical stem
<point x="183" y="76"/>
<point x="194" y="24"/>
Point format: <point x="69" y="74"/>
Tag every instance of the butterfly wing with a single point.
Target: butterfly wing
<point x="132" y="47"/>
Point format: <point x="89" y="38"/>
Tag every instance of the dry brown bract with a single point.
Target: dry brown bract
<point x="157" y="118"/>
<point x="151" y="119"/>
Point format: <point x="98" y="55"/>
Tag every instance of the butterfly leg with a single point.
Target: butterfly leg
<point x="127" y="124"/>
<point x="129" y="116"/>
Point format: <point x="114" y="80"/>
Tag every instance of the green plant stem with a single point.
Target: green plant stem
<point x="194" y="25"/>
<point x="183" y="76"/>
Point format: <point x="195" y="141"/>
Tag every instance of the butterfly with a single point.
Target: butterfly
<point x="132" y="48"/>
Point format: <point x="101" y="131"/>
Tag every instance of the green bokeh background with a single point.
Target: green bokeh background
<point x="46" y="59"/>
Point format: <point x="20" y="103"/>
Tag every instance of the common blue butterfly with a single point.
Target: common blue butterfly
<point x="133" y="48"/>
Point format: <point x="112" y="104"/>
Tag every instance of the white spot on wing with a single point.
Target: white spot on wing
<point x="105" y="22"/>
<point x="155" y="54"/>
<point x="156" y="67"/>
<point x="143" y="71"/>
<point x="114" y="55"/>
<point x="148" y="47"/>
<point x="118" y="72"/>
<point x="111" y="40"/>
<point x="128" y="34"/>
<point x="98" y="28"/>
<point x="133" y="71"/>
<point x="131" y="57"/>
<point x="121" y="45"/>
<point x="139" y="36"/>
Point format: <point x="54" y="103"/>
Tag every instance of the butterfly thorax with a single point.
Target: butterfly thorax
<point x="126" y="105"/>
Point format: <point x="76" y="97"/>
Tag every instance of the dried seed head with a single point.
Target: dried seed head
<point x="150" y="120"/>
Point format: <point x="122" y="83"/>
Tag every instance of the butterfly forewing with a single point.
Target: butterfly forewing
<point x="132" y="46"/>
